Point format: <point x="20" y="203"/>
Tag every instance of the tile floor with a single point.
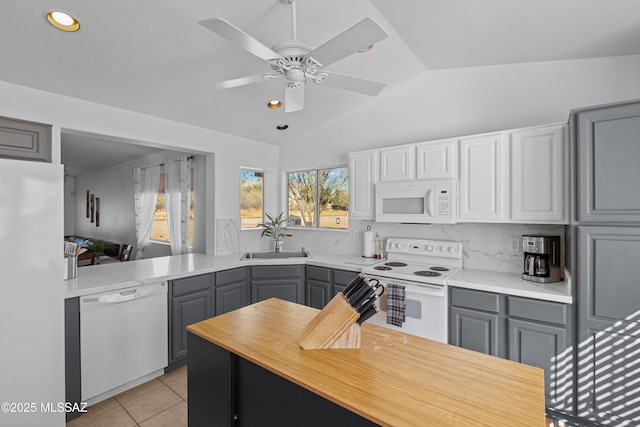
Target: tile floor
<point x="156" y="403"/>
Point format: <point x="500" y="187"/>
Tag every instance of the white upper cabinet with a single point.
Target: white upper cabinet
<point x="482" y="179"/>
<point x="517" y="176"/>
<point x="538" y="178"/>
<point x="363" y="176"/>
<point x="397" y="163"/>
<point x="437" y="159"/>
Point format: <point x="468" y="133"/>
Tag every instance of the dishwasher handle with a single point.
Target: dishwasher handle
<point x="92" y="302"/>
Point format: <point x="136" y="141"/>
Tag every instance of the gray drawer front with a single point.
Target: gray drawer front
<point x="231" y="276"/>
<point x="343" y="277"/>
<point x="276" y="271"/>
<point x="318" y="273"/>
<point x="189" y="285"/>
<point x="545" y="311"/>
<point x="478" y="300"/>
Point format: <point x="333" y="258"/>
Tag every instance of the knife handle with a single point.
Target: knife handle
<point x="354" y="285"/>
<point x="367" y="314"/>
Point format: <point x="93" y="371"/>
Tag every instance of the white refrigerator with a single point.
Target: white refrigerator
<point x="31" y="293"/>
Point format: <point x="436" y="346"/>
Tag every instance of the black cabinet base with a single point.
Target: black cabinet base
<point x="227" y="390"/>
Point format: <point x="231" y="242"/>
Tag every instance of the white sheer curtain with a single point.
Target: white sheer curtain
<point x="177" y="187"/>
<point x="146" y="186"/>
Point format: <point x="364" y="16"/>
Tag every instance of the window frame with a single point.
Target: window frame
<point x="255" y="171"/>
<point x="317" y="198"/>
<point x="162" y="190"/>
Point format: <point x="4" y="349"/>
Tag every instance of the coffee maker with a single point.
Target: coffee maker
<point x="541" y="258"/>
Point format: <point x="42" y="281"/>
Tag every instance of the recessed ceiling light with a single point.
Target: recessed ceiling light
<point x="274" y="104"/>
<point x="282" y="127"/>
<point x="366" y="49"/>
<point x="63" y="21"/>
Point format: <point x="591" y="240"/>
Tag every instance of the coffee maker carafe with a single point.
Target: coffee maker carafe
<point x="541" y="258"/>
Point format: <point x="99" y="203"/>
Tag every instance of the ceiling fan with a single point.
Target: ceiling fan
<point x="298" y="61"/>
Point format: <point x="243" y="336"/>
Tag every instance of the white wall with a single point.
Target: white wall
<point x="458" y="102"/>
<point x="223" y="168"/>
<point x="114" y="187"/>
<point x="223" y="172"/>
<point x="69" y="206"/>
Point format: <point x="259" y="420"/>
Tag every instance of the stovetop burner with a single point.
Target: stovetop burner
<point x="437" y="268"/>
<point x="395" y="264"/>
<point x="382" y="268"/>
<point x="427" y="273"/>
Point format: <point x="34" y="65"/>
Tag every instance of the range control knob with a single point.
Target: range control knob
<point x="452" y="249"/>
<point x="443" y="248"/>
<point x="429" y="248"/>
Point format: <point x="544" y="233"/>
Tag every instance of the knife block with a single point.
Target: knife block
<point x="334" y="327"/>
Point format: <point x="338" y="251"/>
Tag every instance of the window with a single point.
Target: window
<point x="160" y="229"/>
<point x="319" y="198"/>
<point x="251" y="198"/>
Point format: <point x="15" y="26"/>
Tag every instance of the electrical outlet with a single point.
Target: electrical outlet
<point x="514" y="244"/>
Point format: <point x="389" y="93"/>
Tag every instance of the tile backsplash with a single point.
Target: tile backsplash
<point x="486" y="246"/>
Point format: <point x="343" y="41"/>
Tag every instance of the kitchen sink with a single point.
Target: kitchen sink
<point x="276" y="255"/>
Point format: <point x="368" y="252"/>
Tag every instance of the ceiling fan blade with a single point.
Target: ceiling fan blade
<point x="293" y="98"/>
<point x="242" y="81"/>
<point x="358" y="37"/>
<point x="353" y="84"/>
<point x="235" y="35"/>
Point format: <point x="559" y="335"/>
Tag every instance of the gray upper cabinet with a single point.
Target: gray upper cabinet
<point x="608" y="152"/>
<point x="24" y="140"/>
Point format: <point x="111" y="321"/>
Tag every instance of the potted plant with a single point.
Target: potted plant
<point x="98" y="246"/>
<point x="276" y="227"/>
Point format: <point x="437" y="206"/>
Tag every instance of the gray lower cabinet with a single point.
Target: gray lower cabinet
<point x="24" y="140"/>
<point x="340" y="280"/>
<point x="72" y="354"/>
<point x="322" y="284"/>
<point x="539" y="334"/>
<point x="191" y="300"/>
<point x="277" y="281"/>
<point x="607" y="368"/>
<point x="318" y="286"/>
<point x="474" y="321"/>
<point x="232" y="290"/>
<point x="475" y="330"/>
<point x="529" y="331"/>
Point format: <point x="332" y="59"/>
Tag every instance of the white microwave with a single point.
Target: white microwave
<point x="423" y="202"/>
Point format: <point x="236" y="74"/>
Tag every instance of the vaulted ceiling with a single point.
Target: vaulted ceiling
<point x="152" y="56"/>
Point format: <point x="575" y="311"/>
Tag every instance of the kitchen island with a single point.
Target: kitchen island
<point x="247" y="368"/>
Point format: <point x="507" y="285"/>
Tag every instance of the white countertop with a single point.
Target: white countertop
<point x="511" y="284"/>
<point x="113" y="276"/>
<point x="108" y="277"/>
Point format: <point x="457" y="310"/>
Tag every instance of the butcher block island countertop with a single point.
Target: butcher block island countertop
<point x="394" y="379"/>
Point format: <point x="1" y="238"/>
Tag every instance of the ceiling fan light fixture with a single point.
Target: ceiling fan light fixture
<point x="282" y="127"/>
<point x="63" y="21"/>
<point x="274" y="103"/>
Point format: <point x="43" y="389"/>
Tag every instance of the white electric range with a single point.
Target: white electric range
<point x="422" y="267"/>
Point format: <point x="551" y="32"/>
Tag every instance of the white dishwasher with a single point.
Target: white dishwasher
<point x="123" y="339"/>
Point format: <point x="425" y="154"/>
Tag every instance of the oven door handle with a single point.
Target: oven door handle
<point x="412" y="287"/>
<point x="431" y="290"/>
